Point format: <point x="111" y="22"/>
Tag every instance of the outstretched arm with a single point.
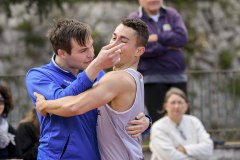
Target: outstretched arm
<point x="84" y="102"/>
<point x="136" y="128"/>
<point x="93" y="98"/>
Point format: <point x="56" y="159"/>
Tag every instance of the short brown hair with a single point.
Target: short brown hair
<point x="64" y="30"/>
<point x="140" y="27"/>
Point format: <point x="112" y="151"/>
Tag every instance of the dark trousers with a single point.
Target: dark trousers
<point x="154" y="97"/>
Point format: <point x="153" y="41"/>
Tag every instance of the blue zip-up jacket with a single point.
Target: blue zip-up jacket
<point x="68" y="138"/>
<point x="159" y="58"/>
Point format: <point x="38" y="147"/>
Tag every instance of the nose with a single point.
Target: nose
<point x="90" y="53"/>
<point x="115" y="42"/>
<point x="177" y="105"/>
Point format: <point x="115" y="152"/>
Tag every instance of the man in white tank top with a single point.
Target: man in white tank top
<point x="119" y="95"/>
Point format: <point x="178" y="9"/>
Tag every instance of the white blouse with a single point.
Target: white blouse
<point x="166" y="136"/>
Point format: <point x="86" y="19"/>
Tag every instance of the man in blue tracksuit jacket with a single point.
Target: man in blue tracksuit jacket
<point x="71" y="138"/>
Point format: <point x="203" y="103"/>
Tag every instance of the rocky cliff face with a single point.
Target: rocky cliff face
<point x="214" y="29"/>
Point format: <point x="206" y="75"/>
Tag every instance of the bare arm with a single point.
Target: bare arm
<point x="102" y="93"/>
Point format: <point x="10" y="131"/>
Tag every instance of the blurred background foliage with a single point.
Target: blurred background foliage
<point x="45" y="6"/>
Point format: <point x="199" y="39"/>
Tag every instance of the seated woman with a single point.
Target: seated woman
<point x="28" y="136"/>
<point x="178" y="136"/>
<point x="8" y="147"/>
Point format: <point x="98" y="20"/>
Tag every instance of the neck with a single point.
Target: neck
<point x="122" y="67"/>
<point x="152" y="13"/>
<point x="176" y="120"/>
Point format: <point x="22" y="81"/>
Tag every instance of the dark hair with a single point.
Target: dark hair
<point x="140" y="27"/>
<point x="7" y="100"/>
<point x="64" y="30"/>
<point x="33" y="119"/>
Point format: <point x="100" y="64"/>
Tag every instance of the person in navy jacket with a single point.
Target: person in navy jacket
<point x="162" y="64"/>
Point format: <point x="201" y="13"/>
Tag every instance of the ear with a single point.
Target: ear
<point x="140" y="51"/>
<point x="61" y="53"/>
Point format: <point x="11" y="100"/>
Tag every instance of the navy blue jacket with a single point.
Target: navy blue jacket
<point x="160" y="58"/>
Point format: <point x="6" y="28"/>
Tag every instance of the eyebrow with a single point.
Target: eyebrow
<point x="85" y="47"/>
<point x="121" y="37"/>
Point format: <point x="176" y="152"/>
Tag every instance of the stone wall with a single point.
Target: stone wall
<point x="214" y="43"/>
<point x="214" y="32"/>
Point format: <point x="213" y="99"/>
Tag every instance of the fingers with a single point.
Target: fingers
<point x="108" y="56"/>
<point x="139" y="119"/>
<point x="116" y="56"/>
<point x="38" y="96"/>
<point x="116" y="48"/>
<point x="135" y="122"/>
<point x="135" y="135"/>
<point x="134" y="131"/>
<point x="137" y="126"/>
<point x="140" y="115"/>
<point x="39" y="100"/>
<point x="35" y="94"/>
<point x="111" y="45"/>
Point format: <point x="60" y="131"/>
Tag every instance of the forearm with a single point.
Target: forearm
<point x="71" y="105"/>
<point x="154" y="49"/>
<point x="93" y="70"/>
<point x="199" y="150"/>
<point x="165" y="151"/>
<point x="177" y="38"/>
<point x="60" y="107"/>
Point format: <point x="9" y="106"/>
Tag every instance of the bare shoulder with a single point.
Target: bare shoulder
<point x="119" y="78"/>
<point x="117" y="75"/>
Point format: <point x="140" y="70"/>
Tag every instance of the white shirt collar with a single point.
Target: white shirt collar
<point x="53" y="60"/>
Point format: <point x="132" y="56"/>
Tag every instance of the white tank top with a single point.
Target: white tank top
<point x="113" y="140"/>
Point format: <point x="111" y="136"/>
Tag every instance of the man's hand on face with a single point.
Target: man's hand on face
<point x="138" y="126"/>
<point x="109" y="55"/>
<point x="39" y="103"/>
<point x="107" y="58"/>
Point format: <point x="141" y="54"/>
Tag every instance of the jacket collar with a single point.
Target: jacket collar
<point x="53" y="63"/>
<point x="143" y="14"/>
